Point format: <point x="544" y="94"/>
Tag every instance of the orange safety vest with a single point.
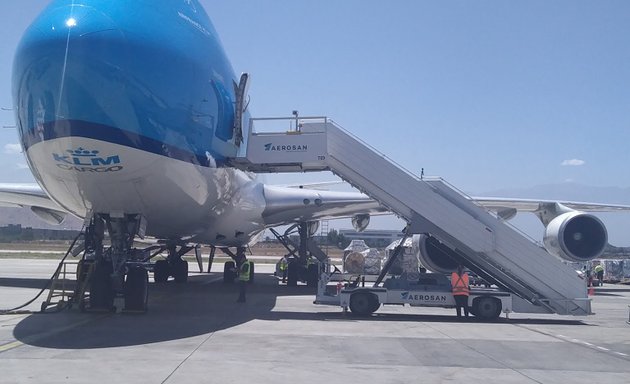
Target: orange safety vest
<point x="460" y="284"/>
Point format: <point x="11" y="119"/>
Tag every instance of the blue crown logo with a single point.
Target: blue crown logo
<point x="80" y="152"/>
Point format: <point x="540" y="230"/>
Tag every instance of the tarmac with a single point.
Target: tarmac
<point x="197" y="333"/>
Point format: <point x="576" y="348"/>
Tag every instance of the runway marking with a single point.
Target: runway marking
<point x="586" y="343"/>
<point x="11" y="345"/>
<point x="602" y="348"/>
<point x="576" y="341"/>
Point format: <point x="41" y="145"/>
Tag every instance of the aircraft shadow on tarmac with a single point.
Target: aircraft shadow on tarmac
<point x="176" y="311"/>
<point x="202" y="306"/>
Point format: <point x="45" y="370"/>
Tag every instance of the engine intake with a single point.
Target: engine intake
<point x="433" y="255"/>
<point x="576" y="236"/>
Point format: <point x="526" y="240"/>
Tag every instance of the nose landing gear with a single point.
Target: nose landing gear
<point x="119" y="270"/>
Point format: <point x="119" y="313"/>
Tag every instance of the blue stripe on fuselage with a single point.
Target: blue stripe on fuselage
<point x="84" y="129"/>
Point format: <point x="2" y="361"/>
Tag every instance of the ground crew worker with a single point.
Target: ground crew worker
<point x="243" y="278"/>
<point x="284" y="265"/>
<point x="461" y="290"/>
<point x="599" y="272"/>
<point x="587" y="274"/>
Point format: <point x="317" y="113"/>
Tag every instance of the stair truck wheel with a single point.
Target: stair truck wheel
<point x="374" y="303"/>
<point x="161" y="271"/>
<point x="487" y="308"/>
<point x="228" y="272"/>
<point x="362" y="303"/>
<point x="136" y="289"/>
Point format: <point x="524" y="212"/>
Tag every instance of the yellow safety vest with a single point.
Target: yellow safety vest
<point x="283" y="264"/>
<point x="599" y="268"/>
<point x="244" y="271"/>
<point x="460" y="284"/>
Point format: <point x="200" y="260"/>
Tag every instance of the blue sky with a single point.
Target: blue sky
<point x="487" y="94"/>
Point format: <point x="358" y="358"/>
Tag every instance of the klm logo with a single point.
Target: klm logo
<point x="286" y="148"/>
<point x="84" y="160"/>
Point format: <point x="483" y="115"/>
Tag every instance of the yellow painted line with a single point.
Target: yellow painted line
<point x="7" y="346"/>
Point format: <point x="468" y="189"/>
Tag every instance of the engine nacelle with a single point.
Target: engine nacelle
<point x="433" y="255"/>
<point x="50" y="216"/>
<point x="360" y="222"/>
<point x="313" y="226"/>
<point x="576" y="236"/>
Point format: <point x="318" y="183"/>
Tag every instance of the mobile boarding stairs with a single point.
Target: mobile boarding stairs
<point x="540" y="282"/>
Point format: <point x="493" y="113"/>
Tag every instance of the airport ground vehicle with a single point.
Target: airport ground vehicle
<point x="414" y="289"/>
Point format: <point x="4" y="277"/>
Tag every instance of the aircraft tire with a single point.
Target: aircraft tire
<point x="251" y="272"/>
<point x="101" y="287"/>
<point x="311" y="275"/>
<point x="136" y="290"/>
<point x="161" y="271"/>
<point x="228" y="272"/>
<point x="180" y="271"/>
<point x="293" y="270"/>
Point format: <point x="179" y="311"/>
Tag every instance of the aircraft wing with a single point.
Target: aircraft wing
<point x="498" y="204"/>
<point x="32" y="196"/>
<point x="289" y="204"/>
<point x="285" y="205"/>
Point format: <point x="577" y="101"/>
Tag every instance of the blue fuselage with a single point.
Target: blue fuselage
<point x="117" y="99"/>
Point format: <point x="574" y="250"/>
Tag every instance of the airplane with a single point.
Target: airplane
<point x="128" y="114"/>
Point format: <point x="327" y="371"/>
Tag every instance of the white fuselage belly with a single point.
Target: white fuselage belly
<point x="221" y="206"/>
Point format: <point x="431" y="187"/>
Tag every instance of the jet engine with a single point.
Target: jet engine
<point x="360" y="222"/>
<point x="433" y="255"/>
<point x="576" y="236"/>
<point x="313" y="226"/>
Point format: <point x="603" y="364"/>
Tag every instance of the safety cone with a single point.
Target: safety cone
<point x="591" y="290"/>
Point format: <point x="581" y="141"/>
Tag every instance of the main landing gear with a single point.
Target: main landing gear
<point x="230" y="268"/>
<point x="302" y="256"/>
<point x="174" y="265"/>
